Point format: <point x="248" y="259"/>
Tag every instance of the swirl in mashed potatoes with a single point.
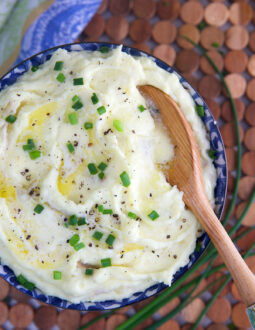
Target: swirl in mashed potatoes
<point x="86" y="213"/>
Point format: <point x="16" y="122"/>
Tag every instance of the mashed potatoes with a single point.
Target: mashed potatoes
<point x="86" y="213"/>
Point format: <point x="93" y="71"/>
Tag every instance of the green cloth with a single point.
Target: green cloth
<point x="12" y="19"/>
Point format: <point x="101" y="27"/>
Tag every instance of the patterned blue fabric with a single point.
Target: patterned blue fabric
<point x="59" y="24"/>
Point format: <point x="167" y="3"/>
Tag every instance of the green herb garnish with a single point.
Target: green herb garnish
<point x="132" y="215"/>
<point x="57" y="275"/>
<point x="104" y="49"/>
<point x="73" y="118"/>
<point x="81" y="221"/>
<point x="73" y="220"/>
<point x="39" y="208"/>
<point x="34" y="154"/>
<point x="94" y="98"/>
<point x="102" y="166"/>
<point x="89" y="271"/>
<point x="74" y="239"/>
<point x="153" y="215"/>
<point x="75" y="98"/>
<point x="97" y="235"/>
<point x="101" y="110"/>
<point x="61" y="77"/>
<point x="141" y="108"/>
<point x="106" y="262"/>
<point x="70" y="147"/>
<point x="101" y="175"/>
<point x="78" y="81"/>
<point x="110" y="239"/>
<point x="34" y="68"/>
<point x="125" y="179"/>
<point x="58" y="65"/>
<point x="79" y="246"/>
<point x="10" y="119"/>
<point x="117" y="124"/>
<point x="92" y="168"/>
<point x="200" y="110"/>
<point x="23" y="281"/>
<point x="212" y="153"/>
<point x="88" y="125"/>
<point x="107" y="211"/>
<point x="77" y="105"/>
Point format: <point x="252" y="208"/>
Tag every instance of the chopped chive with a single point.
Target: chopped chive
<point x="104" y="49"/>
<point x="74" y="239"/>
<point x="106" y="262"/>
<point x="34" y="68"/>
<point x="212" y="153"/>
<point x="61" y="77"/>
<point x="21" y="279"/>
<point x="131" y="215"/>
<point x="102" y="166"/>
<point x="73" y="118"/>
<point x="77" y="105"/>
<point x="34" y="154"/>
<point x="100" y="208"/>
<point x="101" y="110"/>
<point x="92" y="168"/>
<point x="200" y="110"/>
<point x="215" y="44"/>
<point x="67" y="224"/>
<point x="10" y="119"/>
<point x="97" y="235"/>
<point x="73" y="220"/>
<point x="79" y="246"/>
<point x="153" y="215"/>
<point x="88" y="271"/>
<point x="118" y="125"/>
<point x="78" y="81"/>
<point x="29" y="285"/>
<point x="29" y="146"/>
<point x="31" y="142"/>
<point x="70" y="147"/>
<point x="110" y="239"/>
<point x="101" y="175"/>
<point x="58" y="66"/>
<point x="57" y="275"/>
<point x="141" y="108"/>
<point x="94" y="98"/>
<point x="81" y="221"/>
<point x="88" y="125"/>
<point x="39" y="208"/>
<point x="75" y="98"/>
<point x="125" y="179"/>
<point x="201" y="25"/>
<point x="107" y="211"/>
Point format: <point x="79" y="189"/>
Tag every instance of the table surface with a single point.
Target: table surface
<point x="226" y="30"/>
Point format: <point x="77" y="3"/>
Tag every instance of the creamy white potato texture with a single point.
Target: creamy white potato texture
<point x="86" y="213"/>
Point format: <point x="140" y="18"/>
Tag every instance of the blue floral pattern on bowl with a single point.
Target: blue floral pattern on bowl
<point x="219" y="162"/>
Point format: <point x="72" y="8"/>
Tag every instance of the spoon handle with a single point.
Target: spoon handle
<point x="241" y="274"/>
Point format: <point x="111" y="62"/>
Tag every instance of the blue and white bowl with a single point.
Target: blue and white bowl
<point x="219" y="162"/>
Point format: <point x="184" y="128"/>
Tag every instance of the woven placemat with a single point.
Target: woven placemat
<point x="226" y="30"/>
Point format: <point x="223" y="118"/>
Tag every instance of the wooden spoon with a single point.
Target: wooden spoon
<point x="185" y="172"/>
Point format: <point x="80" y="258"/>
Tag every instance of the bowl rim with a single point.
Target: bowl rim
<point x="7" y="273"/>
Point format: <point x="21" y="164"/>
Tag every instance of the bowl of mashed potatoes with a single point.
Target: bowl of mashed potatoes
<point x="88" y="219"/>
